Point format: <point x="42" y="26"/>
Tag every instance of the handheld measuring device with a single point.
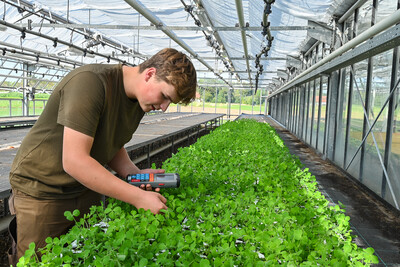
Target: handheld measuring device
<point x="156" y="180"/>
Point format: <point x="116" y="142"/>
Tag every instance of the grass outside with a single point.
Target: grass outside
<point x="13" y="107"/>
<point x="234" y="106"/>
<point x="36" y="107"/>
<point x="220" y="108"/>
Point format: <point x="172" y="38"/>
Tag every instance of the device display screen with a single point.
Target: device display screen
<point x="162" y="177"/>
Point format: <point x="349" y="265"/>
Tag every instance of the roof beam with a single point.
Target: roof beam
<point x="209" y="78"/>
<point x="164" y="27"/>
<point x="205" y="20"/>
<point x="248" y="58"/>
<point x="56" y="40"/>
<point x="28" y="7"/>
<point x="156" y="21"/>
<point x="241" y="71"/>
<point x="239" y="9"/>
<point x="17" y="50"/>
<point x="223" y="85"/>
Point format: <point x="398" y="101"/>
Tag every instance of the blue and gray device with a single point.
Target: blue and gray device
<point x="156" y="180"/>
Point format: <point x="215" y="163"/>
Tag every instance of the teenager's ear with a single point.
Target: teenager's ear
<point x="150" y="72"/>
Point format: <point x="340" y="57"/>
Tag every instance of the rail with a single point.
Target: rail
<point x="12" y="107"/>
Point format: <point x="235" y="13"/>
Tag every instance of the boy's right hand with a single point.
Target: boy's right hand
<point x="152" y="201"/>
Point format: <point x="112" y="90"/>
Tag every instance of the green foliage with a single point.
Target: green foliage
<point x="11" y="95"/>
<point x="244" y="200"/>
<point x="237" y="96"/>
<point x="20" y="95"/>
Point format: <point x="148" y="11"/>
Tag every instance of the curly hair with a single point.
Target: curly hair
<point x="174" y="68"/>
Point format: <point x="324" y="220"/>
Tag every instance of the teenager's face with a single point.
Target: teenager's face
<point x="157" y="95"/>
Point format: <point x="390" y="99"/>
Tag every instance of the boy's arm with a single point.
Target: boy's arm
<point x="78" y="163"/>
<point x="122" y="164"/>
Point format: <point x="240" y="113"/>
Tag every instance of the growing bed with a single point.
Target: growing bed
<point x="244" y="200"/>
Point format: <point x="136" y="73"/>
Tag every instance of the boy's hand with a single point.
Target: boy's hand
<point x="152" y="171"/>
<point x="152" y="201"/>
<point x="148" y="186"/>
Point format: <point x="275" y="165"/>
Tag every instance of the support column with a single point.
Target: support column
<point x="229" y="103"/>
<point x="25" y="93"/>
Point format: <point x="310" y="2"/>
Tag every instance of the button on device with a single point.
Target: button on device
<point x="161" y="184"/>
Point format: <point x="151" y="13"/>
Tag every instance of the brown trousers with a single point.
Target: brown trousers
<point x="37" y="219"/>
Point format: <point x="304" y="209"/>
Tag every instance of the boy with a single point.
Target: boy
<point x="89" y="117"/>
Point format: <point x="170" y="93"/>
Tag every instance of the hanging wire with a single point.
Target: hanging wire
<point x="213" y="43"/>
<point x="267" y="34"/>
<point x="57" y="20"/>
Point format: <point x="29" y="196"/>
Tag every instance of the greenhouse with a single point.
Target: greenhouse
<point x="200" y="133"/>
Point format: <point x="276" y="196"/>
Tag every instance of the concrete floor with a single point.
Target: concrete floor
<point x="375" y="224"/>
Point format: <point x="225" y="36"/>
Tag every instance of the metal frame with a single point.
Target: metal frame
<point x="320" y="66"/>
<point x="153" y="19"/>
<point x="164" y="27"/>
<point x="335" y="67"/>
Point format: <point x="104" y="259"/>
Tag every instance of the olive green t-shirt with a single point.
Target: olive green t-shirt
<point x="90" y="99"/>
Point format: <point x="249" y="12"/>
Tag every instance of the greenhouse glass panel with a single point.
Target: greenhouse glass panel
<point x="288" y="108"/>
<point x="297" y="121"/>
<point x="295" y="111"/>
<point x="385" y="8"/>
<point x="380" y="90"/>
<point x="274" y="106"/>
<point x="292" y="109"/>
<point x="280" y="108"/>
<point x="315" y="112"/>
<point x="310" y="111"/>
<point x="348" y="29"/>
<point x="364" y="17"/>
<point x="305" y="112"/>
<point x="277" y="107"/>
<point x="357" y="117"/>
<point x="285" y="108"/>
<point x="319" y="52"/>
<point x="321" y="131"/>
<point x="16" y="108"/>
<point x="394" y="159"/>
<point x="342" y="123"/>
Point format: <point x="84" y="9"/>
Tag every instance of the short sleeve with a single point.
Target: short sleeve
<point x="81" y="103"/>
